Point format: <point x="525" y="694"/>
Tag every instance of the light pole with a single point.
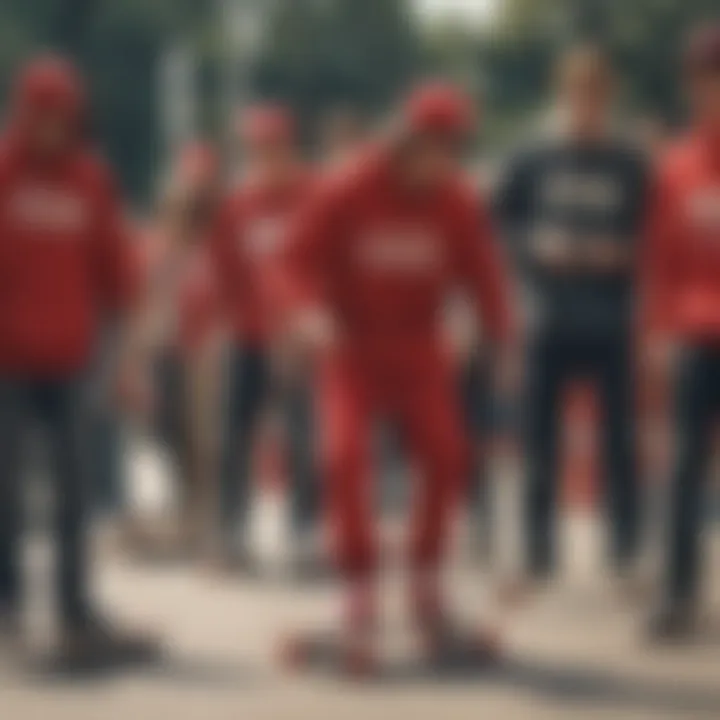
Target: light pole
<point x="242" y="30"/>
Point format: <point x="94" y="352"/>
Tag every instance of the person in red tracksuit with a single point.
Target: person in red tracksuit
<point x="64" y="267"/>
<point x="246" y="245"/>
<point x="370" y="262"/>
<point x="683" y="296"/>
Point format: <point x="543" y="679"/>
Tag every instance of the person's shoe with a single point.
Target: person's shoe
<point x="351" y="655"/>
<point x="674" y="622"/>
<point x="447" y="647"/>
<point x="94" y="643"/>
<point x="307" y="563"/>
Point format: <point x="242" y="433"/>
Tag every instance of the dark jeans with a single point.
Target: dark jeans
<point x="476" y="399"/>
<point x="58" y="408"/>
<point x="105" y="433"/>
<point x="105" y="440"/>
<point x="250" y="388"/>
<point x="172" y="424"/>
<point x="554" y="359"/>
<point x="697" y="405"/>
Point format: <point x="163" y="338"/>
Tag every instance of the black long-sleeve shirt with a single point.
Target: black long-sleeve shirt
<point x="586" y="193"/>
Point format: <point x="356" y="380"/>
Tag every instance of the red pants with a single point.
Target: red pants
<point x="415" y="389"/>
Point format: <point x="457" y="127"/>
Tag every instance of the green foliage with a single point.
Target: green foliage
<point x="320" y="54"/>
<point x="645" y="38"/>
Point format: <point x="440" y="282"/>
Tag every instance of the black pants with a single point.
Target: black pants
<point x="554" y="359"/>
<point x="697" y="403"/>
<point x="476" y="400"/>
<point x="172" y="424"/>
<point x="58" y="408"/>
<point x="250" y="389"/>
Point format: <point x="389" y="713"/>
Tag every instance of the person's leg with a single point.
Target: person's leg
<point x="88" y="639"/>
<point x="697" y="383"/>
<point x="431" y="424"/>
<point x="432" y="427"/>
<point x="248" y="384"/>
<point x="475" y="395"/>
<point x="62" y="410"/>
<point x="618" y="419"/>
<point x="542" y="421"/>
<point x="12" y="422"/>
<point x="345" y="425"/>
<point x="300" y="427"/>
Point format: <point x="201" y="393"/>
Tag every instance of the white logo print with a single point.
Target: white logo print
<point x="411" y="250"/>
<point x="578" y="191"/>
<point x="48" y="209"/>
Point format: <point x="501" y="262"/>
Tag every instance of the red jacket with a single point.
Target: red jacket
<point x="64" y="259"/>
<point x="246" y="244"/>
<point x="384" y="260"/>
<point x="682" y="269"/>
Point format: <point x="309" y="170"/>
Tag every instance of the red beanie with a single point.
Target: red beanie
<point x="438" y="108"/>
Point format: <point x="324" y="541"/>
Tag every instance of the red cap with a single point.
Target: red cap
<point x="439" y="108"/>
<point x="268" y="124"/>
<point x="702" y="54"/>
<point x="49" y="83"/>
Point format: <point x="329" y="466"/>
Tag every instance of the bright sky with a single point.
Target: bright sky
<point x="471" y="10"/>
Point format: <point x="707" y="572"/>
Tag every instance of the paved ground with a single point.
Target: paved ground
<point x="577" y="653"/>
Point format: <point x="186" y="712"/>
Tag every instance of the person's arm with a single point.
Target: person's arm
<point x="225" y="260"/>
<point x="661" y="269"/>
<point x="308" y="262"/>
<point x="483" y="272"/>
<point x="120" y="290"/>
<point x="512" y="207"/>
<point x="617" y="255"/>
<point x="481" y="268"/>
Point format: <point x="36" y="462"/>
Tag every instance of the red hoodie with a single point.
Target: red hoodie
<point x="683" y="244"/>
<point x="384" y="259"/>
<point x="246" y="244"/>
<point x="64" y="259"/>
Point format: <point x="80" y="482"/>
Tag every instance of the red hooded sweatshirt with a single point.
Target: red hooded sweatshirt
<point x="64" y="257"/>
<point x="683" y="244"/>
<point x="247" y="245"/>
<point x="383" y="259"/>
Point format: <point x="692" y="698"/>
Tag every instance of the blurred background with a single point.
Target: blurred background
<point x="164" y="70"/>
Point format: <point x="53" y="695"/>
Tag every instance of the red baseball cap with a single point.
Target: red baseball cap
<point x="439" y="108"/>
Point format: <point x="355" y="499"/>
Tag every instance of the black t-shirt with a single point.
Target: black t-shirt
<point x="588" y="193"/>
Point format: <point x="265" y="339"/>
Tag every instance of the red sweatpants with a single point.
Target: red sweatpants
<point x="414" y="388"/>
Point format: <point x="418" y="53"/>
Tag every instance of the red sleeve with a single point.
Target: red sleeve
<point x="308" y="258"/>
<point x="117" y="268"/>
<point x="226" y="262"/>
<point x="481" y="268"/>
<point x="661" y="265"/>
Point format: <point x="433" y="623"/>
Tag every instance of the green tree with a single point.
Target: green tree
<point x="339" y="51"/>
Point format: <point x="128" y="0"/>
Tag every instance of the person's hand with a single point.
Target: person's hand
<point x="461" y="338"/>
<point x="605" y="256"/>
<point x="313" y="332"/>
